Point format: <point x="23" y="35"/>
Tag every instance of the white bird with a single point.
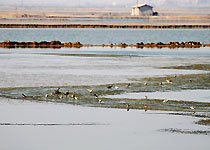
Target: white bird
<point x="116" y="87"/>
<point x="191" y="107"/>
<point x="90" y="90"/>
<point x="100" y="101"/>
<point x="169" y="81"/>
<point x="46" y="95"/>
<point x="165" y="101"/>
<point x="61" y="96"/>
<point x="146" y="83"/>
<point x="145" y="97"/>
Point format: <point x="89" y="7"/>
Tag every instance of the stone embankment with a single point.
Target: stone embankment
<point x="58" y="44"/>
<point x="129" y="26"/>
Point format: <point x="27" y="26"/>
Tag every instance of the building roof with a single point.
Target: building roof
<point x="142" y="5"/>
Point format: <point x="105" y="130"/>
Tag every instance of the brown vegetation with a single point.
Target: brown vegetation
<point x="58" y="44"/>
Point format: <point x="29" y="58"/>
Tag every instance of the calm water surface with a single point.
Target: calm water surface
<point x="106" y="36"/>
<point x="112" y="128"/>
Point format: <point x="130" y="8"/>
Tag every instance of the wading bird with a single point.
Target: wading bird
<point x="23" y="95"/>
<point x="96" y="96"/>
<point x="46" y="95"/>
<point x="57" y="91"/>
<point x="66" y="93"/>
<point x="100" y="101"/>
<point x="128" y="85"/>
<point x="145" y="107"/>
<point x="74" y="97"/>
<point x="165" y="101"/>
<point x="90" y="90"/>
<point x="193" y="108"/>
<point x="169" y="81"/>
<point x="128" y="107"/>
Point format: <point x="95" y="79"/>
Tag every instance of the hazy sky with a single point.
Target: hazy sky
<point x="88" y="3"/>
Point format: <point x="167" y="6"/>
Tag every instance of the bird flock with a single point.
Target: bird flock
<point x="67" y="94"/>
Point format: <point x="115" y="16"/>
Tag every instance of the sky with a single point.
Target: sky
<point x="99" y="3"/>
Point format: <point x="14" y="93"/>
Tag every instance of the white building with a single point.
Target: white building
<point x="142" y="10"/>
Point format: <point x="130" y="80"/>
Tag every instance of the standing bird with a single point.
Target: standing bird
<point x="51" y="94"/>
<point x="128" y="107"/>
<point x="23" y="95"/>
<point x="96" y="96"/>
<point x="61" y="96"/>
<point x="169" y="81"/>
<point x="145" y="97"/>
<point x="74" y="97"/>
<point x="57" y="91"/>
<point x="146" y="83"/>
<point x="66" y="93"/>
<point x="100" y="101"/>
<point x="90" y="90"/>
<point x="193" y="108"/>
<point x="165" y="101"/>
<point x="128" y="85"/>
<point x="145" y="107"/>
<point x="46" y="95"/>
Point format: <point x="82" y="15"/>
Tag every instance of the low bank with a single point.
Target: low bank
<point x="129" y="26"/>
<point x="59" y="44"/>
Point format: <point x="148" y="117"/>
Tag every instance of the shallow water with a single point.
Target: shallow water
<point x="106" y="36"/>
<point x="45" y="67"/>
<point x="116" y="128"/>
<point x="185" y="95"/>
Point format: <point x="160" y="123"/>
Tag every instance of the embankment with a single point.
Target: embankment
<point x="129" y="26"/>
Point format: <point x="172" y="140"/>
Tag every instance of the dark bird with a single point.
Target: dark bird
<point x="23" y="95"/>
<point x="66" y="93"/>
<point x="57" y="91"/>
<point x="128" y="107"/>
<point x="110" y="86"/>
<point x="96" y="96"/>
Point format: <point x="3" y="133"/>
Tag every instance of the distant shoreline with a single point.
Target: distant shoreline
<point x="124" y="26"/>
